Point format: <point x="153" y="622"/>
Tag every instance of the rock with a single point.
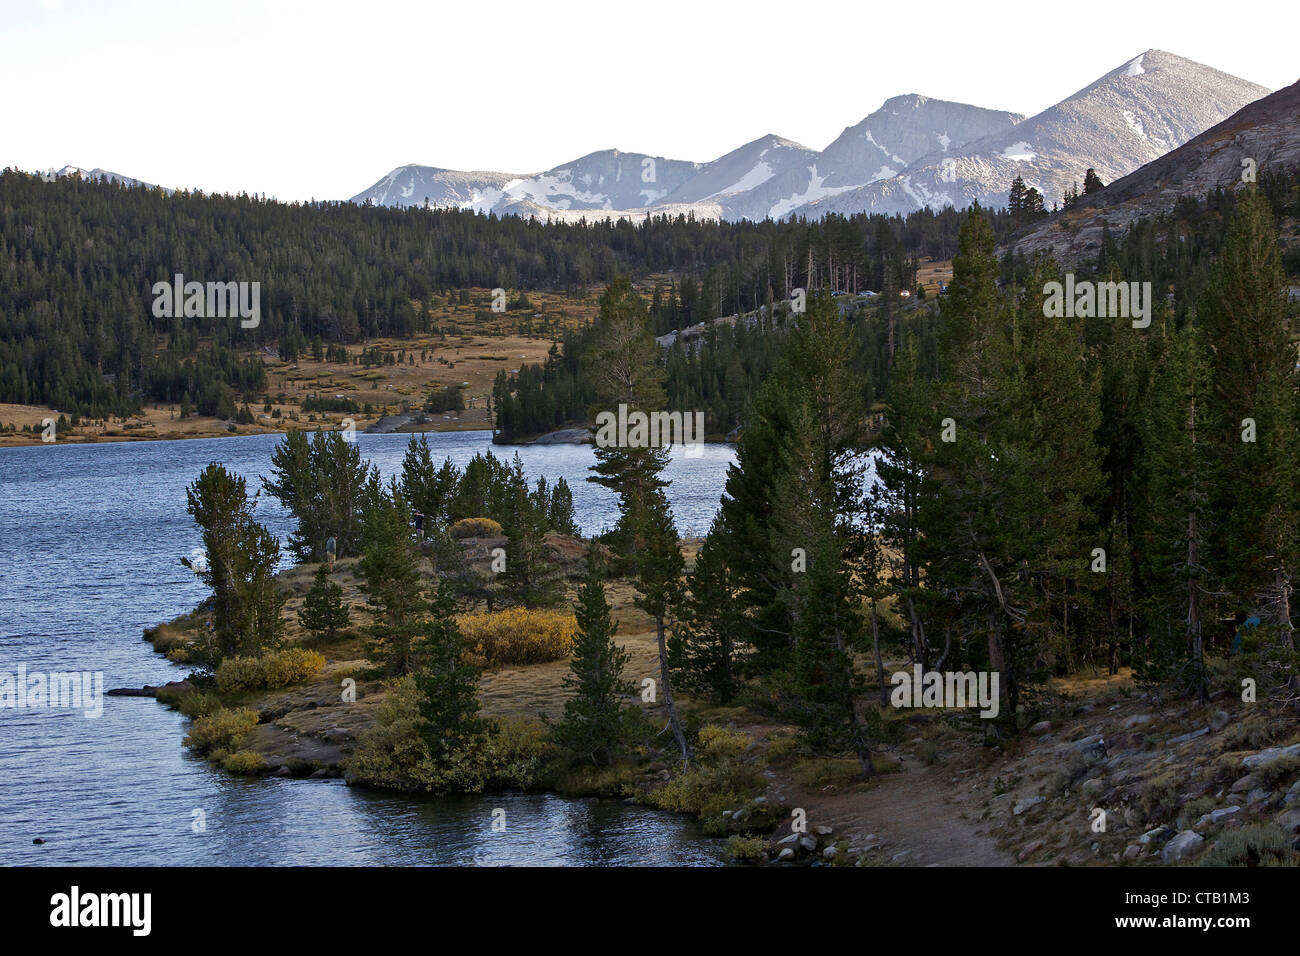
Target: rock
<point x="1042" y="727"/>
<point x="1090" y="745"/>
<point x="1181" y="846"/>
<point x="1093" y="787"/>
<point x="727" y="813"/>
<point x="1219" y="721"/>
<point x="1258" y="796"/>
<point x="1026" y="804"/>
<point x="1137" y="720"/>
<point x="1217" y="816"/>
<point x="1245" y="783"/>
<point x="790" y="839"/>
<point x="282" y="771"/>
<point x="898" y="857"/>
<point x="337" y="735"/>
<point x="1289" y="820"/>
<point x="807" y="843"/>
<point x="1132" y="851"/>
<point x="1029" y="850"/>
<point x="759" y="800"/>
<point x="320" y="774"/>
<point x="1156" y="834"/>
<point x="786" y="854"/>
<point x="823" y="830"/>
<point x="1292" y="795"/>
<point x="1186" y="737"/>
<point x="829" y="853"/>
<point x="38" y="841"/>
<point x="1269" y="755"/>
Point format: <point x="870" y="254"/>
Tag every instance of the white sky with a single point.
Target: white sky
<point x="320" y="99"/>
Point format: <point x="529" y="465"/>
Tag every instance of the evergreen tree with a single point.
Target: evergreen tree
<point x="323" y="611"/>
<point x="1253" y="432"/>
<point x="705" y="653"/>
<point x="448" y="687"/>
<point x="1177" y="519"/>
<point x="595" y="722"/>
<point x="657" y="570"/>
<point x="1092" y="182"/>
<point x="389" y="568"/>
<point x="240" y="562"/>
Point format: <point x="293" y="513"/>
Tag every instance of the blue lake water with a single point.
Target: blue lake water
<point x="91" y="538"/>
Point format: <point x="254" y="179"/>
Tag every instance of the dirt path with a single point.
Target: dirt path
<point x="918" y="817"/>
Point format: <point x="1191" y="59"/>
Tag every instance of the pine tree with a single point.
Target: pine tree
<point x="1177" y="519"/>
<point x="390" y="571"/>
<point x="323" y="611"/>
<point x="1253" y="432"/>
<point x="595" y="722"/>
<point x="1092" y="182"/>
<point x="240" y="562"/>
<point x="705" y="653"/>
<point x="448" y="687"/>
<point x="657" y="568"/>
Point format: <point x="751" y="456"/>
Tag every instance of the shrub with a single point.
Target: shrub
<point x="1276" y="771"/>
<point x="293" y="665"/>
<point x="719" y="743"/>
<point x="198" y="704"/>
<point x="517" y="636"/>
<point x="223" y="730"/>
<point x="246" y="762"/>
<point x="475" y="528"/>
<point x="744" y="849"/>
<point x="392" y="755"/>
<point x="1259" y="844"/>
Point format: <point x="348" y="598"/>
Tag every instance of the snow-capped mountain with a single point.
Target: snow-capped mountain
<point x="1130" y="116"/>
<point x="604" y="180"/>
<point x="912" y="152"/>
<point x="417" y="185"/>
<point x="747" y="182"/>
<point x="103" y="174"/>
<point x="1262" y="136"/>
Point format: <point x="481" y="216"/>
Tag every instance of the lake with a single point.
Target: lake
<point x="91" y="538"/>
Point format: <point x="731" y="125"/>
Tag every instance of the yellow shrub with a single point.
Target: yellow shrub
<point x="475" y="528"/>
<point x="248" y="762"/>
<point x="517" y="636"/>
<point x="719" y="743"/>
<point x="221" y="731"/>
<point x="293" y="665"/>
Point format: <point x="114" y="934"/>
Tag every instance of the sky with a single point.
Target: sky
<point x="318" y="100"/>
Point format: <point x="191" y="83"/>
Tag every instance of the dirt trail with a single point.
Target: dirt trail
<point x="915" y="817"/>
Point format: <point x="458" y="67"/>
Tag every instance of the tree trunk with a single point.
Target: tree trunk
<point x="668" y="694"/>
<point x="880" y="665"/>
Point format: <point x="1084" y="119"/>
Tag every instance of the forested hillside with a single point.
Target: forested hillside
<point x="79" y="258"/>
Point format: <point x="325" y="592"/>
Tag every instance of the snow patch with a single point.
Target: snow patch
<point x="760" y="174"/>
<point x="1134" y="123"/>
<point x="814" y="192"/>
<point x="872" y="140"/>
<point x="1019" y="152"/>
<point x="1134" y="66"/>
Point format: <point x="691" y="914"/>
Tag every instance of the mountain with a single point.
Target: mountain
<point x="1134" y="114"/>
<point x="1265" y="132"/>
<point x="604" y="180"/>
<point x="912" y="152"/>
<point x="903" y="130"/>
<point x="748" y="181"/>
<point x="413" y="185"/>
<point x="103" y="174"/>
